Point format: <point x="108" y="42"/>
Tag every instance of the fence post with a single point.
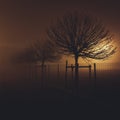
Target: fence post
<point x="72" y="67"/>
<point x="95" y="71"/>
<point x="90" y="78"/>
<point x="58" y="71"/>
<point x="95" y="76"/>
<point x="89" y="72"/>
<point x="42" y="76"/>
<point x="66" y="73"/>
<point x="48" y="72"/>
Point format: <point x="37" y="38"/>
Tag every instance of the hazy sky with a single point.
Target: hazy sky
<point x="23" y="21"/>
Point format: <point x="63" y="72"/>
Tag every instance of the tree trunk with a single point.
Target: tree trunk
<point x="76" y="85"/>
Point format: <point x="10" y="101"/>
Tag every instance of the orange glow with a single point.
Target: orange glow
<point x="110" y="62"/>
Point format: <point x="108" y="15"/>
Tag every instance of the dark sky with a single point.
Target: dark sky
<point x="23" y="21"/>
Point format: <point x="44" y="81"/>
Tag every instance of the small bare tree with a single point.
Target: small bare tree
<point x="38" y="51"/>
<point x="81" y="36"/>
<point x="45" y="52"/>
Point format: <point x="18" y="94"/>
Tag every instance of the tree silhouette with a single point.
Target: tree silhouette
<point x="45" y="52"/>
<point x="81" y="36"/>
<point x="39" y="51"/>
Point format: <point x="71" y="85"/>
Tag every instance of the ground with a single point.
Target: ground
<point x="27" y="99"/>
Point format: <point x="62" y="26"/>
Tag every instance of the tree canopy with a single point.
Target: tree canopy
<point x="46" y="52"/>
<point x="39" y="51"/>
<point x="82" y="36"/>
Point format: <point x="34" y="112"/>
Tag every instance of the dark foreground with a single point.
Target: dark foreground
<point x="22" y="97"/>
<point x="59" y="103"/>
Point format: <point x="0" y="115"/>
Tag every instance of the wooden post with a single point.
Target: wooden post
<point x="34" y="70"/>
<point x="58" y="71"/>
<point x="66" y="74"/>
<point x="31" y="71"/>
<point x="90" y="78"/>
<point x="95" y="71"/>
<point x="95" y="76"/>
<point x="42" y="76"/>
<point x="72" y="85"/>
<point x="45" y="76"/>
<point x="89" y="72"/>
<point x="72" y="67"/>
<point x="48" y="73"/>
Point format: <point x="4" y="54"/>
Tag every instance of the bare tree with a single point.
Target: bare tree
<point x="38" y="51"/>
<point x="81" y="36"/>
<point x="46" y="52"/>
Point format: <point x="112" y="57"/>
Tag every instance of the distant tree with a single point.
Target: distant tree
<point x="81" y="36"/>
<point x="39" y="51"/>
<point x="45" y="52"/>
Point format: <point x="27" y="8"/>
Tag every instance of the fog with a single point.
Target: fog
<point x="23" y="22"/>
